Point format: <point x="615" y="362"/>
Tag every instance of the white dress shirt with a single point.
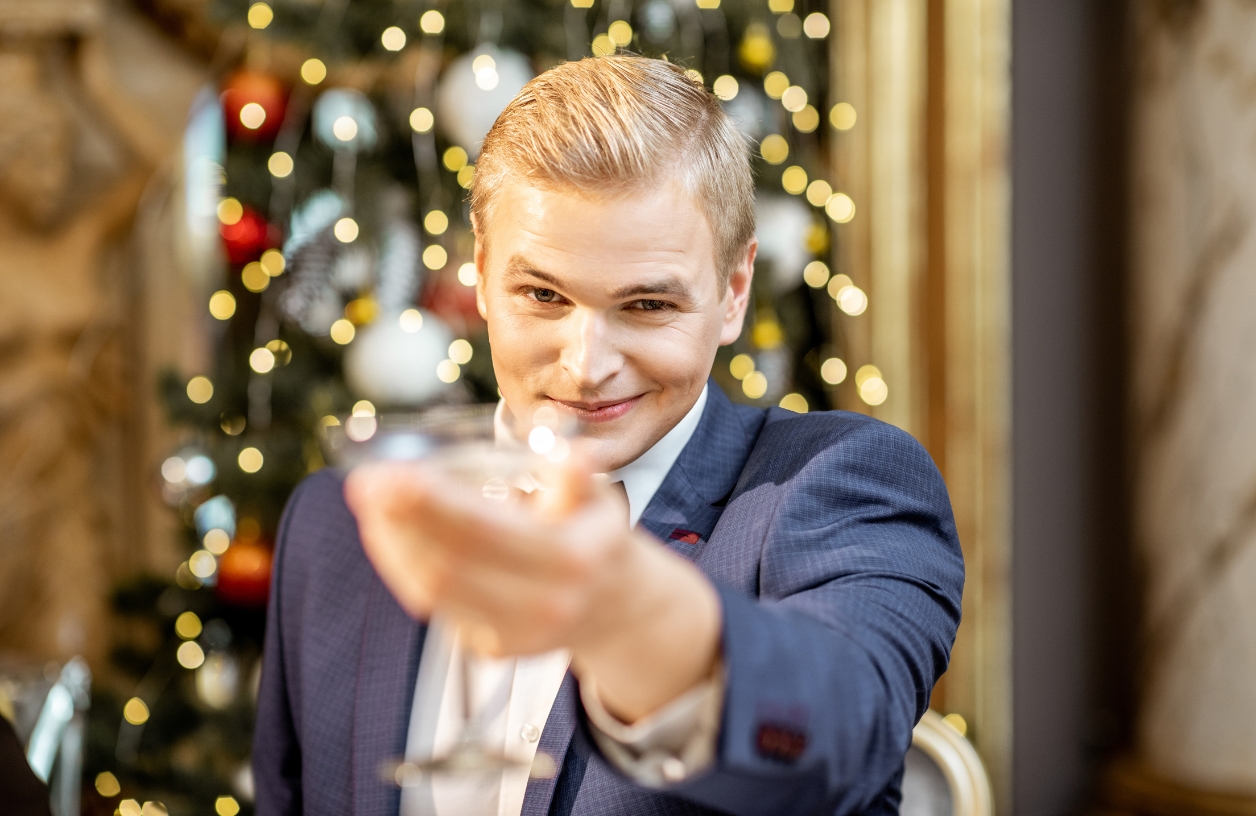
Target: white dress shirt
<point x="515" y="695"/>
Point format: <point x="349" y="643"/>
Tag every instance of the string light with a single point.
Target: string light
<point x="252" y="116"/>
<point x="432" y="22"/>
<point x="313" y="71"/>
<point x="843" y="116"/>
<point x="807" y="119"/>
<point x="345" y="128"/>
<point x="816" y="274"/>
<point x="107" y="785"/>
<point x="363" y="408"/>
<point x="250" y="460"/>
<point x="819" y="192"/>
<point x="342" y="332"/>
<point x="582" y="4"/>
<point x="794" y="402"/>
<point x="460" y="351"/>
<point x="789" y="26"/>
<point x="794" y="98"/>
<point x="273" y="262"/>
<point x="833" y="371"/>
<point x="837" y="284"/>
<point x="435" y="257"/>
<point x="216" y="541"/>
<point x="421" y="120"/>
<point x="447" y="371"/>
<point x="602" y="46"/>
<point x="188" y="625"/>
<point x="200" y="390"/>
<point x="756" y="51"/>
<point x="485" y="68"/>
<point x="467" y="274"/>
<point x="852" y="300"/>
<point x="361" y="311"/>
<point x="774" y="149"/>
<point x="280" y="164"/>
<point x="226" y="806"/>
<point x="708" y="4"/>
<point x="871" y="385"/>
<point x="780" y="6"/>
<point x="840" y="208"/>
<point x="281" y="350"/>
<point x="393" y="38"/>
<point x="262" y="361"/>
<point x="775" y="84"/>
<point x="454" y="159"/>
<point x="725" y="87"/>
<point x="436" y="222"/>
<point x="755" y="385"/>
<point x="222" y="305"/>
<point x="346" y="230"/>
<point x="466" y="176"/>
<point x="202" y="563"/>
<point x="620" y="33"/>
<point x="129" y="807"/>
<point x="254" y="277"/>
<point x="695" y="75"/>
<point x="260" y="15"/>
<point x="794" y="180"/>
<point x="816" y="25"/>
<point x="741" y="366"/>
<point x="135" y="712"/>
<point x="411" y="321"/>
<point x="230" y="211"/>
<point x="190" y="655"/>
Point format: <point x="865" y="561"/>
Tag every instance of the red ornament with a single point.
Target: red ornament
<point x="246" y="238"/>
<point x="244" y="574"/>
<point x="253" y="105"/>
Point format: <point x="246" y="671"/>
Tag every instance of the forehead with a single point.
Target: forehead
<point x="562" y="226"/>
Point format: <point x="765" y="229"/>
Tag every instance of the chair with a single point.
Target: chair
<point x="943" y="775"/>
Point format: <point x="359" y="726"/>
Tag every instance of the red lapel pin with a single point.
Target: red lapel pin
<point x="685" y="536"/>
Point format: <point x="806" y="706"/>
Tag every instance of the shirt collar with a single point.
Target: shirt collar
<point x="643" y="476"/>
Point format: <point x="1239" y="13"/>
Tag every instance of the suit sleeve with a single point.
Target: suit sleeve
<point x="860" y="580"/>
<point x="276" y="743"/>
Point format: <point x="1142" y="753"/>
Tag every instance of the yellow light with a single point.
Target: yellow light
<point x="467" y="274"/>
<point x="188" y="624"/>
<point x="603" y="46"/>
<point x="107" y="785"/>
<point x="202" y="563"/>
<point x="620" y="33"/>
<point x="154" y="809"/>
<point x="843" y="116"/>
<point x="252" y="116"/>
<point x="342" y="332"/>
<point x="582" y="4"/>
<point x="345" y="128"/>
<point x="313" y="71"/>
<point x="281" y="350"/>
<point x="454" y="159"/>
<point x="774" y="149"/>
<point x="129" y="807"/>
<point x="254" y="277"/>
<point x="411" y="321"/>
<point x="250" y="461"/>
<point x="273" y="262"/>
<point x="767" y="334"/>
<point x="226" y="806"/>
<point x="361" y="311"/>
<point x="708" y="4"/>
<point x="363" y="408"/>
<point x="726" y="87"/>
<point x="775" y="84"/>
<point x="190" y="655"/>
<point x="794" y="402"/>
<point x="216" y="541"/>
<point x="435" y="257"/>
<point x="840" y="208"/>
<point x="262" y="360"/>
<point x="833" y="371"/>
<point x="816" y="26"/>
<point x="852" y="300"/>
<point x="466" y="176"/>
<point x="794" y="98"/>
<point x="816" y="274"/>
<point x="819" y="192"/>
<point x="280" y="164"/>
<point x="484" y="62"/>
<point x="756" y="50"/>
<point x="741" y="366"/>
<point x="865" y="373"/>
<point x="755" y="385"/>
<point x="807" y="119"/>
<point x="837" y="284"/>
<point x="329" y="421"/>
<point x="957" y="722"/>
<point x="200" y="390"/>
<point x="436" y="222"/>
<point x="222" y="305"/>
<point x="447" y="371"/>
<point x="421" y="120"/>
<point x="260" y="15"/>
<point x="432" y="22"/>
<point x="460" y="351"/>
<point x="794" y="180"/>
<point x="183" y="577"/>
<point x="393" y="38"/>
<point x="346" y="230"/>
<point x="874" y="391"/>
<point x="695" y="75"/>
<point x="135" y="712"/>
<point x="780" y="6"/>
<point x="230" y="211"/>
<point x="817" y="238"/>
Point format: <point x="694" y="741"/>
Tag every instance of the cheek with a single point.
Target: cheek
<point x="520" y="347"/>
<point x="678" y="354"/>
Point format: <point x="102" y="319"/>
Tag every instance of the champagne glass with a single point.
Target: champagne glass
<point x="475" y="448"/>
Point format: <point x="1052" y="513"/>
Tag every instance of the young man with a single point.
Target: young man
<point x="759" y="638"/>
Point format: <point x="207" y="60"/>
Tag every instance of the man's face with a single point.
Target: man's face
<point x="609" y="310"/>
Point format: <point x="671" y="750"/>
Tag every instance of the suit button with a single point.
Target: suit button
<point x="530" y="733"/>
<point x="673" y="769"/>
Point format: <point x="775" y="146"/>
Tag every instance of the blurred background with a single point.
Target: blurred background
<point x="1016" y="228"/>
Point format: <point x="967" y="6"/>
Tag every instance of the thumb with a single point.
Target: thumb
<point x="572" y="485"/>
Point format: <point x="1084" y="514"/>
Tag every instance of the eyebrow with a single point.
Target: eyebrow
<point x="519" y="268"/>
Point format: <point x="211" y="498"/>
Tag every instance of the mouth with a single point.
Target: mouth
<point x="600" y="411"/>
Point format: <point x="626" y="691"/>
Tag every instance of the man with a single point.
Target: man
<point x="759" y="638"/>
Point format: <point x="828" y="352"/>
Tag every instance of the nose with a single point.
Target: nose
<point x="589" y="354"/>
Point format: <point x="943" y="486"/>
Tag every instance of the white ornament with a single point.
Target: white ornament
<point x="393" y="367"/>
<point x="475" y="89"/>
<point x="783" y="224"/>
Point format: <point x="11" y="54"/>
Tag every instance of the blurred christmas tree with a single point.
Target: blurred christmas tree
<point x="325" y="186"/>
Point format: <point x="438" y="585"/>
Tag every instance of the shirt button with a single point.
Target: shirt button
<point x="673" y="769"/>
<point x="530" y="733"/>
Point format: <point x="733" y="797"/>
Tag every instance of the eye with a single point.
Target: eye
<point x="652" y="305"/>
<point x="544" y="295"/>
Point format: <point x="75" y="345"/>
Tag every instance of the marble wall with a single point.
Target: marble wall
<point x="1193" y="386"/>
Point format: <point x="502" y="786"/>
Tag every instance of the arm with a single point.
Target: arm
<point x="860" y="581"/>
<point x="276" y="745"/>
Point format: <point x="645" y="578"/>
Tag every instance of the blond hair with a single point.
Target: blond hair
<point x="612" y="125"/>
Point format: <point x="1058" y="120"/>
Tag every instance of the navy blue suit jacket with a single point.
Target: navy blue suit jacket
<point x="831" y="540"/>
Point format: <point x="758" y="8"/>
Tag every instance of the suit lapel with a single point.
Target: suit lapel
<point x="387" y="667"/>
<point x="555" y="739"/>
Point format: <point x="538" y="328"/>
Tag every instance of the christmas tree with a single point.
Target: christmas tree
<point x="325" y="183"/>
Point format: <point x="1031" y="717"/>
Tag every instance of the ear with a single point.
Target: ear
<point x="481" y="258"/>
<point x="737" y="298"/>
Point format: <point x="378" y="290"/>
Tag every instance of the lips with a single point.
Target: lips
<point x="601" y="411"/>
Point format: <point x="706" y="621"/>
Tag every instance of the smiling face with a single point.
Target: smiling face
<point x="606" y="309"/>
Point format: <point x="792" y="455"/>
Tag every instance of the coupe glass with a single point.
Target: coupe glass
<point x="464" y="444"/>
